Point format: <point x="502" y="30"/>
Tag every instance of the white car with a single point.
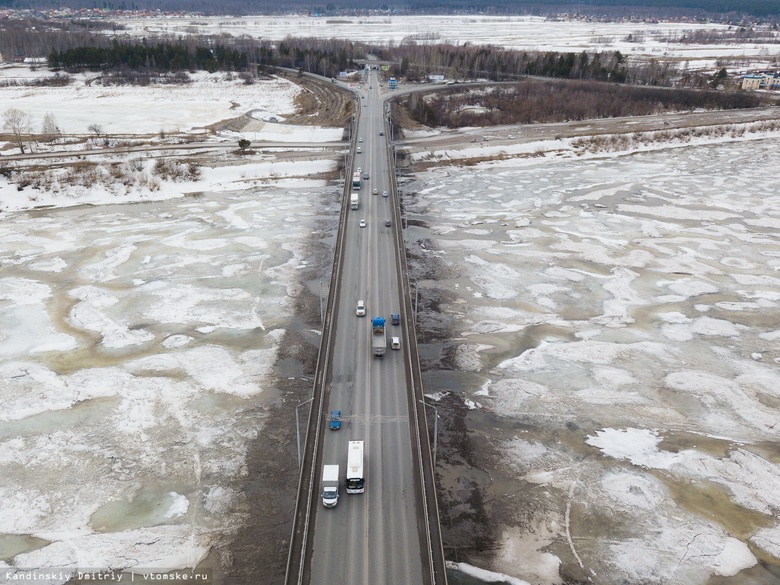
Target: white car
<point x="362" y="223"/>
<point x="384" y="193"/>
<point x="361" y="309"/>
<point x="359" y="170"/>
<point x="375" y="191"/>
<point x="395" y="343"/>
<point x="360" y="140"/>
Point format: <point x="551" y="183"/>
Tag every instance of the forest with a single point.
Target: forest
<point x="161" y="57"/>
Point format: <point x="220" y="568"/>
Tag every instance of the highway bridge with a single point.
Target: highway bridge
<point x="388" y="535"/>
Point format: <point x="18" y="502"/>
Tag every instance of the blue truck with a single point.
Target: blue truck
<point x="378" y="339"/>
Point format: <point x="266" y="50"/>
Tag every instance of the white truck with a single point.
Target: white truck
<point x="330" y="486"/>
<point x="354" y="201"/>
<point x="378" y="339"/>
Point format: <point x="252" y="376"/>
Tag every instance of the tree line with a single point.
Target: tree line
<point x="733" y="35"/>
<point x="498" y="64"/>
<point x="167" y="57"/>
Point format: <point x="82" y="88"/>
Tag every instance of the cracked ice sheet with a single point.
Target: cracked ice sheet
<point x="686" y="550"/>
<point x="485" y="576"/>
<point x="750" y="479"/>
<point x="215" y="368"/>
<point x="27" y="328"/>
<point x="669" y="322"/>
<point x="157" y="548"/>
<point x="81" y="430"/>
<point x="90" y="314"/>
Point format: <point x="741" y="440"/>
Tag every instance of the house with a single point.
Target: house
<point x="761" y="80"/>
<point x="752" y="81"/>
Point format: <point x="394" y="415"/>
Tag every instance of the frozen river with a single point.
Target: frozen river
<point x="609" y="331"/>
<point x="137" y="352"/>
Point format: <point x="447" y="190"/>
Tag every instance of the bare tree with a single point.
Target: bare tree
<point x="96" y="129"/>
<point x="19" y="124"/>
<point x="49" y="129"/>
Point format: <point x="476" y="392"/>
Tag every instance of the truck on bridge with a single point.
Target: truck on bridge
<point x="378" y="339"/>
<point x="330" y="486"/>
<point x="354" y="201"/>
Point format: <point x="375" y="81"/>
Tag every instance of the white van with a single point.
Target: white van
<point x="361" y="309"/>
<point x="395" y="343"/>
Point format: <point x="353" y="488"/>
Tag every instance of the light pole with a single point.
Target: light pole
<point x="435" y="428"/>
<point x="297" y="429"/>
<point x="321" y="318"/>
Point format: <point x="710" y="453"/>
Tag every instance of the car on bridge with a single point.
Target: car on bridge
<point x="388" y="223"/>
<point x="395" y="343"/>
<point x="335" y="420"/>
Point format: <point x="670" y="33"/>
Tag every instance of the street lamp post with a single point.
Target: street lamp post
<point x="297" y="429"/>
<point x="321" y="316"/>
<point x="435" y="428"/>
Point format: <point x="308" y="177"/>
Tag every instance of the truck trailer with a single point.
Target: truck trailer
<point x="330" y="486"/>
<point x="378" y="339"/>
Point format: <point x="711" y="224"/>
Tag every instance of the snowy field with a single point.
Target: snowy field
<point x="519" y="32"/>
<point x="623" y="312"/>
<point x="125" y="110"/>
<point x="143" y="113"/>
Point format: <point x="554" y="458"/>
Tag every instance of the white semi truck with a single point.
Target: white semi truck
<point x="330" y="486"/>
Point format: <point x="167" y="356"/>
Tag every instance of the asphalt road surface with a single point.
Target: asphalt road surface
<point x="370" y="538"/>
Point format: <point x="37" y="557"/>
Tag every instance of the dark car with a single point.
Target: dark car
<point x="335" y="420"/>
<point x="395" y="318"/>
<point x="365" y="176"/>
<point x="381" y="132"/>
<point x="388" y="223"/>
